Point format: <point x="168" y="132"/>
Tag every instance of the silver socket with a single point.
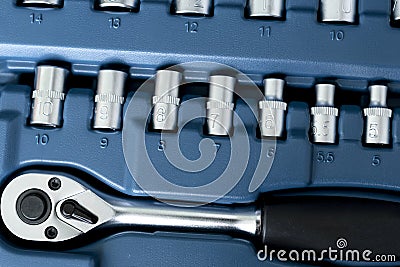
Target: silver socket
<point x="324" y="115"/>
<point x="109" y="100"/>
<point x="193" y="7"/>
<point x="266" y="8"/>
<point x="122" y="4"/>
<point x="272" y="109"/>
<point x="220" y="105"/>
<point x="338" y="11"/>
<point x="43" y="3"/>
<point x="377" y="117"/>
<point x="166" y="101"/>
<point x="48" y="96"/>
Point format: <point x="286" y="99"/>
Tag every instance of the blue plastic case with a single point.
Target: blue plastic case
<point x="299" y="47"/>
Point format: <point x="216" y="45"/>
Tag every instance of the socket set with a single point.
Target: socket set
<point x="49" y="94"/>
<point x="288" y="97"/>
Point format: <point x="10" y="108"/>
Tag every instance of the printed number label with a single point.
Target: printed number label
<point x="271" y="152"/>
<point x="322" y="131"/>
<point x="42" y="139"/>
<point x="269" y="123"/>
<point x="376" y="160"/>
<point x="325" y="157"/>
<point x="161" y="146"/>
<point x="36" y="18"/>
<point x="104" y="143"/>
<point x="265" y="31"/>
<point x="45" y="108"/>
<point x="214" y="117"/>
<point x="103" y="113"/>
<point x="198" y="4"/>
<point x="373" y="130"/>
<point x="267" y="4"/>
<point x="336" y="35"/>
<point x="114" y="23"/>
<point x="347" y="6"/>
<point x="161" y="114"/>
<point x="191" y="27"/>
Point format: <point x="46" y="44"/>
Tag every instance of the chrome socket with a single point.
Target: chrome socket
<point x="272" y="109"/>
<point x="324" y="115"/>
<point x="48" y="96"/>
<point x="109" y="100"/>
<point x="377" y="117"/>
<point x="165" y="100"/>
<point x="220" y="105"/>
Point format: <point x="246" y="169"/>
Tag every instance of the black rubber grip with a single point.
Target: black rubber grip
<point x="319" y="222"/>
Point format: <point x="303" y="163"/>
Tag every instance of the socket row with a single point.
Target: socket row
<point x="337" y="11"/>
<point x="49" y="95"/>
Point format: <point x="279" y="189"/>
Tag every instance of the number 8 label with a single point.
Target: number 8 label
<point x="161" y="114"/>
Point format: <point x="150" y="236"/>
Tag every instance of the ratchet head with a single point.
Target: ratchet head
<point x="54" y="208"/>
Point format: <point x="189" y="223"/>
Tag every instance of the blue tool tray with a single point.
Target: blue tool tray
<point x="300" y="48"/>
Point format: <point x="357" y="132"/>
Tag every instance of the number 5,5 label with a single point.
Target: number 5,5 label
<point x="323" y="157"/>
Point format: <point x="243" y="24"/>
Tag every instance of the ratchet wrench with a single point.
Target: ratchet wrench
<point x="50" y="207"/>
<point x="54" y="208"/>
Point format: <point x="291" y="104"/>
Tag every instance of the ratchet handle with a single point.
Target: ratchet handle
<point x="319" y="222"/>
